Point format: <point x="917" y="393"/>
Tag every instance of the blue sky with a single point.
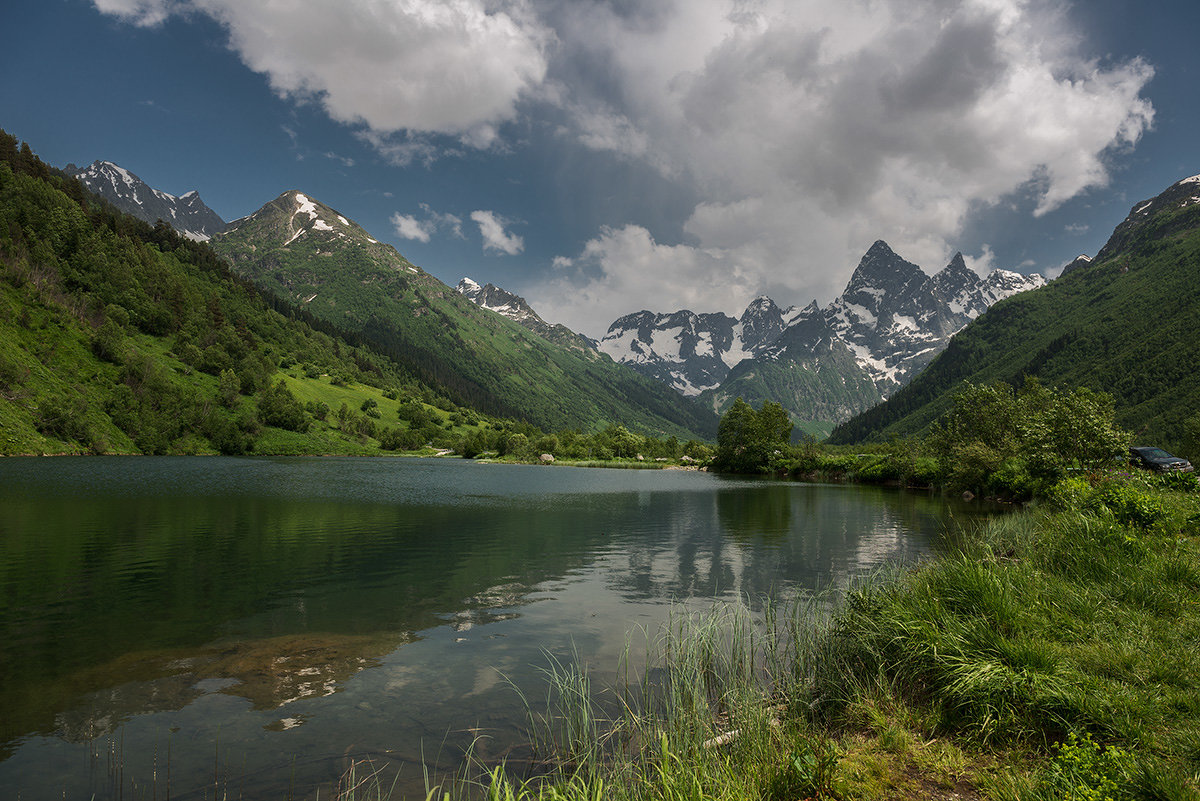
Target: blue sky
<point x="605" y="156"/>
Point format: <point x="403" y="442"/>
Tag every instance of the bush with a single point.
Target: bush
<point x="1083" y="769"/>
<point x="64" y="418"/>
<point x="392" y="439"/>
<point x="278" y="407"/>
<point x="1020" y="443"/>
<point x="747" y="440"/>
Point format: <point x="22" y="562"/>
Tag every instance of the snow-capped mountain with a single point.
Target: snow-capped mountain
<point x="293" y="215"/>
<point x="187" y="213"/>
<point x="514" y="307"/>
<point x="891" y="320"/>
<point x="895" y="318"/>
<point x="500" y="301"/>
<point x="693" y="352"/>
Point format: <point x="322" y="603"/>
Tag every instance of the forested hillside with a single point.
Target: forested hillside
<point x="1126" y="325"/>
<point x="118" y="336"/>
<point x="302" y="250"/>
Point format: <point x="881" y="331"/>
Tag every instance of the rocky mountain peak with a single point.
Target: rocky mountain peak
<point x="761" y="323"/>
<point x="296" y="220"/>
<point x="187" y="214"/>
<point x="515" y="308"/>
<point x="1080" y="261"/>
<point x="880" y="272"/>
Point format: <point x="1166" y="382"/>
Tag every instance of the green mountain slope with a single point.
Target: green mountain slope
<point x="310" y="254"/>
<point x="1127" y="324"/>
<point x="120" y="337"/>
<point x="810" y="373"/>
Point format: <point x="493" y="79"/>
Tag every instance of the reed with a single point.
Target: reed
<point x="1052" y="654"/>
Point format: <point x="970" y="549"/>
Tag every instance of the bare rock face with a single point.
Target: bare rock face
<point x="891" y="320"/>
<point x="187" y="213"/>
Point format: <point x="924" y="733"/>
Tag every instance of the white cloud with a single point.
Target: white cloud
<point x="810" y="129"/>
<point x="140" y="12"/>
<point x="491" y="227"/>
<point x="806" y="129"/>
<point x="982" y="264"/>
<point x="345" y="161"/>
<point x="422" y="230"/>
<point x="410" y="227"/>
<point x="624" y="269"/>
<point x="453" y="67"/>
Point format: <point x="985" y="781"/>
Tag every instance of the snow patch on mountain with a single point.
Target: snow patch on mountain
<point x="892" y="318"/>
<point x="187" y="214"/>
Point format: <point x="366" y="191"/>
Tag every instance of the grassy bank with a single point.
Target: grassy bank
<point x="1052" y="655"/>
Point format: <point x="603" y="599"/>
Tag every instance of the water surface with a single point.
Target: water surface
<point x="248" y="627"/>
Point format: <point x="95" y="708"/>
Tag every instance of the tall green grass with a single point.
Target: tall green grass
<point x="1054" y="654"/>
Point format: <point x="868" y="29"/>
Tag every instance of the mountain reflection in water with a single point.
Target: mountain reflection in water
<point x="279" y="616"/>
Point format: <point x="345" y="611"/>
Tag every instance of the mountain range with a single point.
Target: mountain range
<point x="1116" y="322"/>
<point x="823" y="365"/>
<point x="187" y="213"/>
<point x="312" y="255"/>
<point x="1123" y="323"/>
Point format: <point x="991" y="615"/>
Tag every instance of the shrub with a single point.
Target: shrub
<point x="1083" y="769"/>
<point x="64" y="418"/>
<point x="1021" y="442"/>
<point x="747" y="440"/>
<point x="278" y="407"/>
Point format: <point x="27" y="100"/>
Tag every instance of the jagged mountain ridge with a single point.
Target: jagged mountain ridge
<point x="187" y="213"/>
<point x="301" y="249"/>
<point x="514" y="307"/>
<point x="892" y="319"/>
<point x="1122" y="323"/>
<point x="694" y="352"/>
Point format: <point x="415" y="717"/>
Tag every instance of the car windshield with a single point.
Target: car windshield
<point x="1155" y="453"/>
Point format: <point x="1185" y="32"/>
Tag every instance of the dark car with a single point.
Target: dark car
<point x="1158" y="459"/>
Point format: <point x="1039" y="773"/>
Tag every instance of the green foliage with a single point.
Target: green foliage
<point x="1020" y="443"/>
<point x="64" y="417"/>
<point x="808" y="772"/>
<point x="229" y="388"/>
<point x="1125" y="326"/>
<point x="278" y="407"/>
<point x="116" y="335"/>
<point x="747" y="440"/>
<point x="1129" y="501"/>
<point x="1083" y="769"/>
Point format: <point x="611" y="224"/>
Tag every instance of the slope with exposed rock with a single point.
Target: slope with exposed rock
<point x="515" y="308"/>
<point x="187" y="213"/>
<point x="822" y="365"/>
<point x="1122" y="323"/>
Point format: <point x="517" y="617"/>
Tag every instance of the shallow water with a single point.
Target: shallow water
<point x="220" y="627"/>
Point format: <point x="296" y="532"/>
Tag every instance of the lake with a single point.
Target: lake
<point x="204" y="627"/>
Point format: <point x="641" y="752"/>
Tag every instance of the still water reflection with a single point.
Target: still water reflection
<point x="248" y="626"/>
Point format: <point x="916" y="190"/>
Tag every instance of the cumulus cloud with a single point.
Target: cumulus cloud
<point x="809" y="129"/>
<point x="451" y="67"/>
<point x="624" y="269"/>
<point x="422" y="229"/>
<point x="804" y="129"/>
<point x="982" y="264"/>
<point x="409" y="227"/>
<point x="495" y="238"/>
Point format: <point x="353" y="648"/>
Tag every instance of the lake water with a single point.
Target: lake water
<point x="245" y="628"/>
